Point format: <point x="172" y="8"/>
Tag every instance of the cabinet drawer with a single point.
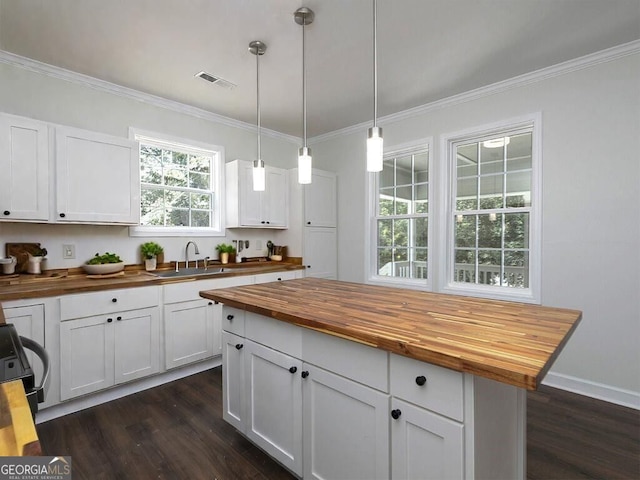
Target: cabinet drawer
<point x="353" y="360"/>
<point x="441" y="392"/>
<point x="275" y="334"/>
<point x="233" y="320"/>
<point x="190" y="290"/>
<point x="275" y="276"/>
<point x="88" y="304"/>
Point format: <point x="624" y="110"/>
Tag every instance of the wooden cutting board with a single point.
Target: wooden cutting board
<point x="21" y="251"/>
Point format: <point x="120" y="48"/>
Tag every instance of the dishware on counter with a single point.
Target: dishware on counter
<point x="103" y="268"/>
<point x="8" y="265"/>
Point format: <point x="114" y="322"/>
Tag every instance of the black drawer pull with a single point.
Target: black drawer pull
<point x="114" y="300"/>
<point x="62" y="215"/>
<point x="7" y="212"/>
<point x="305" y="374"/>
<point x="109" y="320"/>
<point x="119" y="318"/>
<point x="421" y="380"/>
<point x="229" y="317"/>
<point x="395" y="414"/>
<point x="293" y="369"/>
<point x="239" y="346"/>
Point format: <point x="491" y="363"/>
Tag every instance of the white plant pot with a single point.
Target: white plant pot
<point x="150" y="264"/>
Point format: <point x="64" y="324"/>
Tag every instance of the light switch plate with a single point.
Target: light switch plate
<point x="68" y="251"/>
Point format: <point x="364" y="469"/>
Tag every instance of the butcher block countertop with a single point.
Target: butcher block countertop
<point x="513" y="343"/>
<point x="64" y="282"/>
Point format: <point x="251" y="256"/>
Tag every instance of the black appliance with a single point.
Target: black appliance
<point x="14" y="364"/>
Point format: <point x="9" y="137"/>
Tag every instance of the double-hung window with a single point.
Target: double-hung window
<point x="402" y="216"/>
<point x="180" y="186"/>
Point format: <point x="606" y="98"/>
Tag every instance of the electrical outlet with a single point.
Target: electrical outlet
<point x="68" y="251"/>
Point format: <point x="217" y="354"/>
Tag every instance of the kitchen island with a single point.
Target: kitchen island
<point x="344" y="380"/>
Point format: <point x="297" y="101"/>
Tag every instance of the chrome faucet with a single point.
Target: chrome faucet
<point x="186" y="253"/>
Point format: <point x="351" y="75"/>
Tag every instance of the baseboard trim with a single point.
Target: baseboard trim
<point x="619" y="396"/>
<point x="105" y="396"/>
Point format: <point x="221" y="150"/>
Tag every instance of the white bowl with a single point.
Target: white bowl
<point x="103" y="268"/>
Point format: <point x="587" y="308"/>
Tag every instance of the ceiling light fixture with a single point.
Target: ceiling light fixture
<point x="304" y="16"/>
<point x="374" y="136"/>
<point x="258" y="48"/>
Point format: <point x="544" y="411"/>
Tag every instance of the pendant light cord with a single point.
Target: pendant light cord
<point x="258" y="101"/>
<point x="375" y="63"/>
<point x="304" y="89"/>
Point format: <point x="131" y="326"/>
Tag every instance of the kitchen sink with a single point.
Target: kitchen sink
<point x="188" y="272"/>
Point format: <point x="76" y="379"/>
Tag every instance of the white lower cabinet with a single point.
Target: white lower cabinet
<point x="104" y="350"/>
<point x="191" y="332"/>
<point x="28" y="321"/>
<point x="233" y="397"/>
<point x="425" y="444"/>
<point x="346" y="428"/>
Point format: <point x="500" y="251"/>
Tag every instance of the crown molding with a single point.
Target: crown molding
<point x="126" y="92"/>
<point x="559" y="69"/>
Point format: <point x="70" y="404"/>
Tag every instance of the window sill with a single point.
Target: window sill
<point x="140" y="231"/>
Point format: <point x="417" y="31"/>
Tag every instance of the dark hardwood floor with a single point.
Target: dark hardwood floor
<point x="176" y="431"/>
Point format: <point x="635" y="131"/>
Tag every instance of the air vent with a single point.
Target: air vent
<point x="221" y="82"/>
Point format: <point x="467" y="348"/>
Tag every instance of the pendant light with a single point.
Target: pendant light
<point x="374" y="136"/>
<point x="304" y="16"/>
<point x="258" y="48"/>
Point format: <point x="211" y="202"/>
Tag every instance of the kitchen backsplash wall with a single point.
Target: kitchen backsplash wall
<point x="91" y="239"/>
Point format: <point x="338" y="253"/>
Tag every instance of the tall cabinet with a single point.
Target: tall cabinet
<point x="319" y="235"/>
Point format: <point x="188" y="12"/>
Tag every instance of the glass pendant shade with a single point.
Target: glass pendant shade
<point x="304" y="165"/>
<point x="259" y="176"/>
<point x="374" y="149"/>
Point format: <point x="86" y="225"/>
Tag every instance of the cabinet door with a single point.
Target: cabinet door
<point x="274" y="409"/>
<point x="320" y="252"/>
<point x="320" y="199"/>
<point x="189" y="332"/>
<point x="233" y="385"/>
<point x="275" y="205"/>
<point x="250" y="201"/>
<point x="425" y="445"/>
<point x="24" y="163"/>
<point x="97" y="178"/>
<point x="86" y="355"/>
<point x="346" y="428"/>
<point x="137" y="344"/>
<point x="29" y="322"/>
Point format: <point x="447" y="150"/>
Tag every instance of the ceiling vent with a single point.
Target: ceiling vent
<point x="221" y="82"/>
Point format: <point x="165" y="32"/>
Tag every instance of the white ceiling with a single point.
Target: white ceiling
<point x="427" y="49"/>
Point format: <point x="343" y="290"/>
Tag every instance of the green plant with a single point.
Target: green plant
<point x="106" y="258"/>
<point x="225" y="248"/>
<point x="150" y="250"/>
<point x="40" y="252"/>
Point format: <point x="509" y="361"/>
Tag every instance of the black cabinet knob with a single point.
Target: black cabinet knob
<point x="308" y="266"/>
<point x="229" y="317"/>
<point x="279" y="279"/>
<point x="421" y="380"/>
<point x="262" y="222"/>
<point x="293" y="369"/>
<point x="305" y="374"/>
<point x="308" y="223"/>
<point x="109" y="320"/>
<point x="114" y="300"/>
<point x="268" y="223"/>
<point x="239" y="346"/>
<point x="62" y="215"/>
<point x="7" y="212"/>
<point x="119" y="318"/>
<point x="395" y="414"/>
<point x="210" y="303"/>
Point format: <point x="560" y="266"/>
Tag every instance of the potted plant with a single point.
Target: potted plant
<point x="224" y="251"/>
<point x="35" y="260"/>
<point x="150" y="252"/>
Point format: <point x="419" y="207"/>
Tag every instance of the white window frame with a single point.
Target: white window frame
<point x="447" y="204"/>
<point x="372" y="227"/>
<point x="218" y="222"/>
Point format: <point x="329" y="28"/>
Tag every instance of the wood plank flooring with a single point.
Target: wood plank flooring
<point x="176" y="431"/>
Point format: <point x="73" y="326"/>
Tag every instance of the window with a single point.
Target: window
<point x="179" y="186"/>
<point x="402" y="215"/>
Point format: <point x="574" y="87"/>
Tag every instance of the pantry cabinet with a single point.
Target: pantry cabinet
<point x="24" y="163"/>
<point x="248" y="208"/>
<point x="320" y="200"/>
<point x="97" y="178"/>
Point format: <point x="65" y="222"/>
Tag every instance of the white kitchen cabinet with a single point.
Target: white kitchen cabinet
<point x="24" y="163"/>
<point x="345" y="428"/>
<point x="97" y="178"/>
<point x="29" y="322"/>
<point x="278" y="276"/>
<point x="104" y="350"/>
<point x="425" y="445"/>
<point x="274" y="403"/>
<point x="108" y="338"/>
<point x="233" y="397"/>
<point x="320" y="252"/>
<point x="320" y="200"/>
<point x="247" y="208"/>
<point x="191" y="332"/>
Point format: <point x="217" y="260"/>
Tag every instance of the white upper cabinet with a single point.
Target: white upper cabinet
<point x="320" y="200"/>
<point x="24" y="163"/>
<point x="97" y="178"/>
<point x="247" y="208"/>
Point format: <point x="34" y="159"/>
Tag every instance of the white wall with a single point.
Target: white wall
<point x="44" y="97"/>
<point x="591" y="205"/>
